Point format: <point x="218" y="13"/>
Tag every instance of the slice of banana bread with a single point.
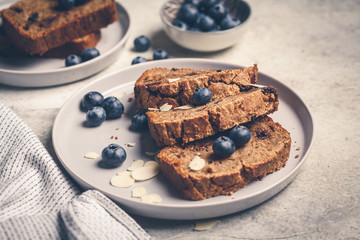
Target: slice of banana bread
<point x="176" y="86"/>
<point x="267" y="151"/>
<point x="183" y="126"/>
<point x="37" y="26"/>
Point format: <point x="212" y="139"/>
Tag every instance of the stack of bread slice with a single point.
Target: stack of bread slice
<point x="44" y="28"/>
<point x="186" y="133"/>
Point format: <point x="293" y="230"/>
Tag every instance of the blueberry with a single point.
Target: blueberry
<point x="217" y="12"/>
<point x="180" y="24"/>
<point x="139" y="122"/>
<point x="205" y="5"/>
<point x="72" y="60"/>
<point x="206" y="23"/>
<point x="195" y="2"/>
<point x="223" y="147"/>
<point x="95" y="116"/>
<point x="138" y="59"/>
<point x="113" y="107"/>
<point x="240" y="135"/>
<point x="66" y="4"/>
<point x="113" y="155"/>
<point x="142" y="43"/>
<point x="229" y="22"/>
<point x="89" y="53"/>
<point x="201" y="96"/>
<point x="188" y="13"/>
<point x="160" y="54"/>
<point x="91" y="99"/>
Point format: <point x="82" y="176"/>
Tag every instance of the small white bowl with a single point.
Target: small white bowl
<point x="206" y="41"/>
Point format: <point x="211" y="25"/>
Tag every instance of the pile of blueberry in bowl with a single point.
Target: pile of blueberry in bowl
<point x="205" y="25"/>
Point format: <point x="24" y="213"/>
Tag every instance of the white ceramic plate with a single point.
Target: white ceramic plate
<point x="42" y="72"/>
<point x="72" y="141"/>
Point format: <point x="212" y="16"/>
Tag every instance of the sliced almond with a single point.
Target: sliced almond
<point x="153" y="109"/>
<point x="124" y="173"/>
<point x="91" y="155"/>
<point x="197" y="163"/>
<point x="151" y="198"/>
<point x="205" y="225"/>
<point x="173" y="80"/>
<point x="122" y="181"/>
<point x="136" y="164"/>
<point x="152" y="164"/>
<point x="166" y="107"/>
<point x="184" y="107"/>
<point x="150" y="154"/>
<point x="145" y="173"/>
<point x="131" y="144"/>
<point x="138" y="192"/>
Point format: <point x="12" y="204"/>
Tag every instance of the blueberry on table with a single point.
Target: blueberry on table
<point x="223" y="147"/>
<point x="113" y="155"/>
<point x="66" y="4"/>
<point x="160" y="54"/>
<point x="139" y="122"/>
<point x="206" y="23"/>
<point x="201" y="96"/>
<point x="229" y="22"/>
<point x="138" y="59"/>
<point x="91" y="99"/>
<point x="89" y="53"/>
<point x="142" y="43"/>
<point x="180" y="24"/>
<point x="240" y="135"/>
<point x="218" y="12"/>
<point x="113" y="107"/>
<point x="72" y="60"/>
<point x="188" y="13"/>
<point x="95" y="116"/>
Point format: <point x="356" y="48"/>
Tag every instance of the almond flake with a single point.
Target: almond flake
<point x="124" y="173"/>
<point x="138" y="192"/>
<point x="173" y="80"/>
<point x="150" y="154"/>
<point x="122" y="181"/>
<point x="131" y="144"/>
<point x="153" y="109"/>
<point x="152" y="164"/>
<point x="136" y="164"/>
<point x="166" y="107"/>
<point x="145" y="173"/>
<point x="151" y="198"/>
<point x="184" y="107"/>
<point x="91" y="155"/>
<point x="205" y="225"/>
<point x="197" y="163"/>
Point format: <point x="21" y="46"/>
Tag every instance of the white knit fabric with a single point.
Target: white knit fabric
<point x="39" y="201"/>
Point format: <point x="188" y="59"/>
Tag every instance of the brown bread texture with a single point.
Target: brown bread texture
<point x="176" y="86"/>
<point x="267" y="151"/>
<point x="183" y="126"/>
<point x="38" y="26"/>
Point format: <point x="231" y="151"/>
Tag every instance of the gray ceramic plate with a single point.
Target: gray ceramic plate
<point x="41" y="72"/>
<point x="72" y="141"/>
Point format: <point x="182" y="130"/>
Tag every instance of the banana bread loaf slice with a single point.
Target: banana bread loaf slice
<point x="183" y="126"/>
<point x="176" y="86"/>
<point x="37" y="26"/>
<point x="267" y="151"/>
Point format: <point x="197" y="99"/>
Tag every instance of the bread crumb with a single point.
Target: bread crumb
<point x="297" y="155"/>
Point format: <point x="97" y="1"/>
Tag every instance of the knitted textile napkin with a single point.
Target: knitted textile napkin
<point x="38" y="201"/>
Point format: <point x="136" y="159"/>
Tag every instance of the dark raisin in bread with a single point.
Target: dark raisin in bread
<point x="183" y="126"/>
<point x="37" y="26"/>
<point x="176" y="86"/>
<point x="267" y="151"/>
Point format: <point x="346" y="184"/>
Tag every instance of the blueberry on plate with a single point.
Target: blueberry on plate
<point x="217" y="12"/>
<point x="113" y="107"/>
<point x="66" y="4"/>
<point x="206" y="23"/>
<point x="229" y="22"/>
<point x="89" y="53"/>
<point x="223" y="147"/>
<point x="139" y="122"/>
<point x="160" y="54"/>
<point x="95" y="116"/>
<point x="201" y="96"/>
<point x="180" y="24"/>
<point x="188" y="13"/>
<point x="113" y="155"/>
<point x="91" y="99"/>
<point x="138" y="59"/>
<point x="240" y="135"/>
<point x="72" y="60"/>
<point x="142" y="43"/>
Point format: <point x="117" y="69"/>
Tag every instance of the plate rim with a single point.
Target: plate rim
<point x="284" y="180"/>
